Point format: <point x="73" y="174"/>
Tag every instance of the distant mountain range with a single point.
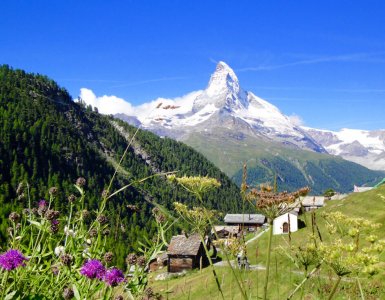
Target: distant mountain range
<point x="360" y="146"/>
<point x="231" y="126"/>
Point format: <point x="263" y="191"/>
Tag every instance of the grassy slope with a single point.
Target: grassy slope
<point x="283" y="278"/>
<point x="294" y="168"/>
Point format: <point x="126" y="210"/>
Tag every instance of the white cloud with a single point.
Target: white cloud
<point x="113" y="105"/>
<point x="296" y="120"/>
<point x="106" y="104"/>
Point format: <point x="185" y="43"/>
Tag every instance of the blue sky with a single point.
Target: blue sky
<point x="321" y="60"/>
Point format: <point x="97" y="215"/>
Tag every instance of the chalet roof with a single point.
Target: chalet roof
<point x="245" y="218"/>
<point x="313" y="201"/>
<point x="293" y="212"/>
<point x="181" y="245"/>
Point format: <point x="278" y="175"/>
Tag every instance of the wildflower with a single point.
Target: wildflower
<point x="93" y="268"/>
<point x="273" y="204"/>
<point x="86" y="215"/>
<point x="102" y="219"/>
<point x="113" y="277"/>
<point x="108" y="257"/>
<point x="80" y="182"/>
<point x="51" y="214"/>
<point x="59" y="250"/>
<point x="141" y="261"/>
<point x="53" y="191"/>
<point x="68" y="231"/>
<point x="54" y="226"/>
<point x="12" y="259"/>
<point x="68" y="293"/>
<point x="42" y="202"/>
<point x="196" y="184"/>
<point x="106" y="232"/>
<point x="27" y="211"/>
<point x="131" y="259"/>
<point x="93" y="233"/>
<point x="14" y="217"/>
<point x="66" y="259"/>
<point x="42" y="207"/>
<point x="353" y="232"/>
<point x="71" y="198"/>
<point x="372" y="238"/>
<point x="159" y="217"/>
<point x="55" y="269"/>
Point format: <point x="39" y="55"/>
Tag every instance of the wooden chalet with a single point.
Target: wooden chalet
<point x="247" y="221"/>
<point x="312" y="202"/>
<point x="185" y="253"/>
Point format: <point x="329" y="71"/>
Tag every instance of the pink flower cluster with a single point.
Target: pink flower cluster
<point x="12" y="259"/>
<point x="93" y="268"/>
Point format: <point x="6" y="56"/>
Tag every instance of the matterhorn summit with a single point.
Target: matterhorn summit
<point x="223" y="91"/>
<point x="226" y="108"/>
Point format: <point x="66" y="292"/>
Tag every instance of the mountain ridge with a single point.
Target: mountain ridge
<point x="231" y="118"/>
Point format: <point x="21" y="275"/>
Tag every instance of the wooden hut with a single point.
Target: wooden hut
<point x="185" y="253"/>
<point x="248" y="221"/>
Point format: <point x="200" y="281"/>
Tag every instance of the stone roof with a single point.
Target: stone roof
<point x="229" y="229"/>
<point x="181" y="245"/>
<point x="313" y="201"/>
<point x="245" y="218"/>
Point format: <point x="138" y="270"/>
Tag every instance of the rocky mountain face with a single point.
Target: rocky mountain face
<point x="360" y="146"/>
<point x="224" y="104"/>
<point x="231" y="126"/>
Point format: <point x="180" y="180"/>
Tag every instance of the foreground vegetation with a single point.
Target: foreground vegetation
<point x="287" y="265"/>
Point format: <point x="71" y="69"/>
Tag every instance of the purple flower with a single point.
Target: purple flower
<point x="113" y="277"/>
<point x="93" y="268"/>
<point x="12" y="259"/>
<point x="42" y="203"/>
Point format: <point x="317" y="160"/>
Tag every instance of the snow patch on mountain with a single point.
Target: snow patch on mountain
<point x="361" y="146"/>
<point x="223" y="103"/>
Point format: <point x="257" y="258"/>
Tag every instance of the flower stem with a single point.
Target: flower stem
<point x="304" y="280"/>
<point x="268" y="260"/>
<point x="334" y="288"/>
<point x="212" y="267"/>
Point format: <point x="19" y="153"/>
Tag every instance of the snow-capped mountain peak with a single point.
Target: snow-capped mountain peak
<point x="225" y="105"/>
<point x="222" y="81"/>
<point x="223" y="91"/>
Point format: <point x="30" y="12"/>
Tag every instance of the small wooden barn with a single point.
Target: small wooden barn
<point x="312" y="202"/>
<point x="185" y="253"/>
<point x="248" y="221"/>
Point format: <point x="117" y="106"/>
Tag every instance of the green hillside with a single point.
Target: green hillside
<point x="284" y="274"/>
<point x="294" y="168"/>
<point x="49" y="140"/>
